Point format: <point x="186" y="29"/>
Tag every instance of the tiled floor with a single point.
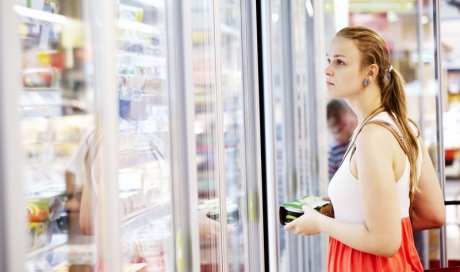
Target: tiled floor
<point x="452" y="192"/>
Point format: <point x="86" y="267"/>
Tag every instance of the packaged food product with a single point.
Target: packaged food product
<point x="212" y="208"/>
<point x="40" y="234"/>
<point x="292" y="210"/>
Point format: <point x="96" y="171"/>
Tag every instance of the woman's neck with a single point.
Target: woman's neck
<point x="366" y="103"/>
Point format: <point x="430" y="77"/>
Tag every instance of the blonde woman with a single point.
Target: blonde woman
<point x="386" y="186"/>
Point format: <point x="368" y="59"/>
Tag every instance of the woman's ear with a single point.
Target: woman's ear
<point x="373" y="71"/>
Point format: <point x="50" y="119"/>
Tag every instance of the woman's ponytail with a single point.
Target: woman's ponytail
<point x="394" y="102"/>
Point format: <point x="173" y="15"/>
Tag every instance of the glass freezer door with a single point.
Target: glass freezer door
<point x="144" y="174"/>
<point x="56" y="108"/>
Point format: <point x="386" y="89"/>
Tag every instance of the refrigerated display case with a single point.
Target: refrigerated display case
<point x="106" y="131"/>
<point x="56" y="108"/>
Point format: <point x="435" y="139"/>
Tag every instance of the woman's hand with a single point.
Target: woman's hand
<point x="307" y="224"/>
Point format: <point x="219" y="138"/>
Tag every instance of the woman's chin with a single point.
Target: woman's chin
<point x="332" y="94"/>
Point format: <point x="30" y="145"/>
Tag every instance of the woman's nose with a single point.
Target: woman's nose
<point x="328" y="71"/>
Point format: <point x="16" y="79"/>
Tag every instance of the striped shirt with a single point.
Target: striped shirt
<point x="335" y="153"/>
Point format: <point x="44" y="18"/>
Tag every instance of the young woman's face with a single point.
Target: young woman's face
<point x="344" y="77"/>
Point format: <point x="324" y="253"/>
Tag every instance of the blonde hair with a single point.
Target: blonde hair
<point x="374" y="51"/>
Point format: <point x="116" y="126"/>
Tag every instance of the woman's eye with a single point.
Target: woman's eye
<point x="328" y="60"/>
<point x="340" y="62"/>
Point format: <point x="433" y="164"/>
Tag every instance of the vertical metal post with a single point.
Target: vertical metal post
<point x="293" y="243"/>
<point x="269" y="132"/>
<point x="108" y="231"/>
<point x="321" y="177"/>
<point x="183" y="152"/>
<point x="13" y="223"/>
<point x="421" y="237"/>
<point x="255" y="241"/>
<point x="439" y="122"/>
<point x="420" y="73"/>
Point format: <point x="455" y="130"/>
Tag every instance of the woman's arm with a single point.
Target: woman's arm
<point x="428" y="210"/>
<point x="380" y="234"/>
<point x="87" y="210"/>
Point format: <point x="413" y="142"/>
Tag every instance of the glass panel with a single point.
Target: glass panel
<point x="204" y="87"/>
<point x="56" y="105"/>
<point x="278" y="87"/>
<point x="450" y="23"/>
<point x="233" y="125"/>
<point x="144" y="136"/>
<point x="295" y="123"/>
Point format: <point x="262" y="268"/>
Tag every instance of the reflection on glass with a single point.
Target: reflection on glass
<point x="226" y="126"/>
<point x="56" y="109"/>
<point x="233" y="126"/>
<point x="144" y="137"/>
<point x="204" y="87"/>
<point x="278" y="81"/>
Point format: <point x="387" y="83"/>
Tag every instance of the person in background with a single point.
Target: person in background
<point x="341" y="122"/>
<point x="386" y="186"/>
<point x="86" y="165"/>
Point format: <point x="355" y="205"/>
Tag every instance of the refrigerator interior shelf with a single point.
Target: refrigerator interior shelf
<point x="57" y="241"/>
<point x="132" y="159"/>
<point x="40" y="15"/>
<point x="53" y="165"/>
<point x="134" y="59"/>
<point x="153" y="3"/>
<point x="43" y="106"/>
<point x="137" y="26"/>
<point x="144" y="216"/>
<point x="41" y="98"/>
<point x="46" y="90"/>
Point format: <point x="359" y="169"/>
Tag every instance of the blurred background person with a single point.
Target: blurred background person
<point x="341" y="122"/>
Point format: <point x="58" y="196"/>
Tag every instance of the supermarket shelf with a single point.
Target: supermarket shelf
<point x="128" y="58"/>
<point x="40" y="15"/>
<point x="152" y="3"/>
<point x="138" y="27"/>
<point x="143" y="216"/>
<point x="56" y="241"/>
<point x="44" y="89"/>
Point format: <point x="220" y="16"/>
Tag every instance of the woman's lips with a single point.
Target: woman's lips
<point x="329" y="84"/>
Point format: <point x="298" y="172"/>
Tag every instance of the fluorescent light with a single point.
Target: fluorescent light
<point x="40" y="15"/>
<point x="152" y="3"/>
<point x="425" y="19"/>
<point x="392" y="16"/>
<point x="309" y="8"/>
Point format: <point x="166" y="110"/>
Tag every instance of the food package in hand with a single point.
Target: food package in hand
<point x="290" y="211"/>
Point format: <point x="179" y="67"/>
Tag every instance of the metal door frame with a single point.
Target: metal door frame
<point x="439" y="122"/>
<point x="12" y="211"/>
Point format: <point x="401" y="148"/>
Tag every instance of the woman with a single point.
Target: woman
<point x="380" y="193"/>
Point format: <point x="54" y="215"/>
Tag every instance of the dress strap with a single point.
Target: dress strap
<point x="394" y="131"/>
<point x="351" y="145"/>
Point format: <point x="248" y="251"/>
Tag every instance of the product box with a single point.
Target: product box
<point x="292" y="210"/>
<point x="45" y="207"/>
<point x="40" y="234"/>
